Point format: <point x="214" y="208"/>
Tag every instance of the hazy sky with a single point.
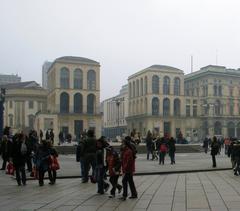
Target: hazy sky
<point x="125" y="36"/>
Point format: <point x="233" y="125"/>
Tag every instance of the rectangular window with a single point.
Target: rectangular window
<point x="10" y="104"/>
<point x="30" y="104"/>
<point x="195" y="110"/>
<point x="188" y="110"/>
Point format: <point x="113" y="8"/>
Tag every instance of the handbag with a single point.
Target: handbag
<point x="10" y="169"/>
<point x="54" y="165"/>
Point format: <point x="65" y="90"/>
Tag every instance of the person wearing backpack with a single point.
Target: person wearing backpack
<point x="19" y="157"/>
<point x="163" y="142"/>
<point x="214" y="151"/>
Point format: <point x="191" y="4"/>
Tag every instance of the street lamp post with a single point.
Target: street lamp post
<point x="2" y="99"/>
<point x="118" y="102"/>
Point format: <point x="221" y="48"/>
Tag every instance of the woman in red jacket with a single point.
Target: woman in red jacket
<point x="128" y="169"/>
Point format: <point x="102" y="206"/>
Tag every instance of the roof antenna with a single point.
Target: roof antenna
<point x="191" y="63"/>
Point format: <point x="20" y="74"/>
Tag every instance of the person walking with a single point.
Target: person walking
<point x="89" y="155"/>
<point x="19" y="156"/>
<point x="114" y="168"/>
<point x="128" y="169"/>
<point x="205" y="144"/>
<point x="5" y="150"/>
<point x="80" y="156"/>
<point x="149" y="140"/>
<point x="214" y="151"/>
<point x="54" y="166"/>
<point x="172" y="149"/>
<point x="42" y="161"/>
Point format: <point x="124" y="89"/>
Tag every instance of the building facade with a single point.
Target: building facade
<point x="164" y="100"/>
<point x="73" y="97"/>
<point x="213" y="102"/>
<point x="115" y="111"/>
<point x="8" y="79"/>
<point x="156" y="100"/>
<point x="22" y="102"/>
<point x="45" y="68"/>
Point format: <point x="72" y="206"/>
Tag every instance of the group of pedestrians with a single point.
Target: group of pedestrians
<point x="100" y="157"/>
<point x="160" y="146"/>
<point x="19" y="150"/>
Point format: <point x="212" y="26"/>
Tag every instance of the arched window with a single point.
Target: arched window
<point x="91" y="80"/>
<point x="177" y="86"/>
<point x="137" y="88"/>
<point x="64" y="103"/>
<point x="217" y="108"/>
<point x="166" y="107"/>
<point x="155" y="106"/>
<point x="141" y="87"/>
<point x="10" y="121"/>
<point x="217" y="128"/>
<point x="238" y="130"/>
<point x="64" y="78"/>
<point x="78" y="103"/>
<point x="78" y="79"/>
<point x="231" y="129"/>
<point x="90" y="103"/>
<point x="31" y="121"/>
<point x="134" y="89"/>
<point x="155" y="84"/>
<point x="166" y="85"/>
<point x="177" y="107"/>
<point x="145" y="85"/>
<point x="130" y="90"/>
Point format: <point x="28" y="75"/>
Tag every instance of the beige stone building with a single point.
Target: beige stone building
<point x="22" y="102"/>
<point x="156" y="100"/>
<point x="206" y="102"/>
<point x="73" y="97"/>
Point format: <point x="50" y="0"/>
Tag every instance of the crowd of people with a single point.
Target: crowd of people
<point x="20" y="149"/>
<point x="100" y="157"/>
<point x="160" y="146"/>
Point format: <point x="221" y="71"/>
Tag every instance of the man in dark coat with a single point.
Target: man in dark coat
<point x="5" y="150"/>
<point x="89" y="154"/>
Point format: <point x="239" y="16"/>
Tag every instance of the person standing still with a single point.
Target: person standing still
<point x="214" y="151"/>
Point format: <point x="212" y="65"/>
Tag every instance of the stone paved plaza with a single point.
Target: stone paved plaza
<point x="204" y="191"/>
<point x="216" y="191"/>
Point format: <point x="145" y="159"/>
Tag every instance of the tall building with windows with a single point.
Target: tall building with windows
<point x="73" y="97"/>
<point x="164" y="100"/>
<point x="156" y="100"/>
<point x="115" y="111"/>
<point x="22" y="102"/>
<point x="213" y="102"/>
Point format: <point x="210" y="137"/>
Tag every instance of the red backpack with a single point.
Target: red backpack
<point x="163" y="148"/>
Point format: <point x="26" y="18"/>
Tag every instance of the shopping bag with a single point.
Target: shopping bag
<point x="54" y="165"/>
<point x="10" y="169"/>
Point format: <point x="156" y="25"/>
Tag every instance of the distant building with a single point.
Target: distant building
<point x="115" y="111"/>
<point x="22" y="102"/>
<point x="8" y="79"/>
<point x="45" y="69"/>
<point x="73" y="97"/>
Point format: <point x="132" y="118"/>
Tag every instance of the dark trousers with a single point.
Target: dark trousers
<point x="172" y="157"/>
<point x="114" y="182"/>
<point x="52" y="174"/>
<point x="149" y="151"/>
<point x="4" y="164"/>
<point x="20" y="174"/>
<point x="162" y="157"/>
<point x="128" y="179"/>
<point x="82" y="167"/>
<point x="41" y="176"/>
<point x="89" y="160"/>
<point x="214" y="160"/>
<point x="29" y="164"/>
<point x="100" y="179"/>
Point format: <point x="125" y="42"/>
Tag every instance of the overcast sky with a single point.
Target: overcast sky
<point x="125" y="36"/>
